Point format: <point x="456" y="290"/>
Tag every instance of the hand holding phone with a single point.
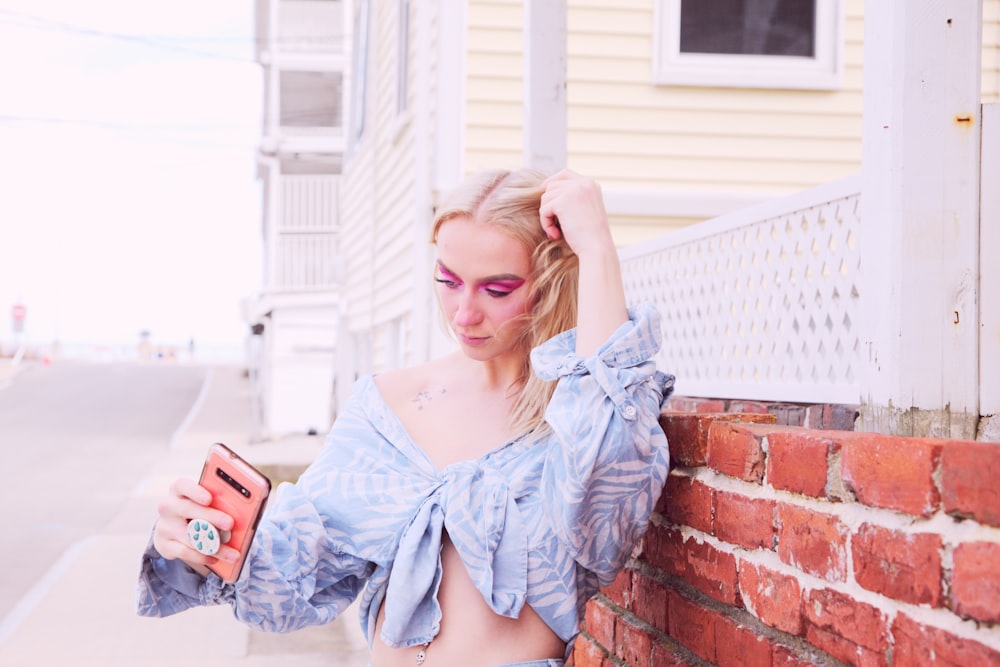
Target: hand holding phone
<point x="241" y="491"/>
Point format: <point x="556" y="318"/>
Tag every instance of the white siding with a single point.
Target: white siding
<point x="382" y="224"/>
<point x="495" y="85"/>
<point x="629" y="132"/>
<point x="991" y="50"/>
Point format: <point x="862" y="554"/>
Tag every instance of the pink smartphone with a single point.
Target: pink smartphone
<point x="239" y="490"/>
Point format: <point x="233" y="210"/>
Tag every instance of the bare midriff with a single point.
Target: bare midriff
<point x="472" y="634"/>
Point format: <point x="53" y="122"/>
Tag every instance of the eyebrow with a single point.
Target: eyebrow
<point x="499" y="278"/>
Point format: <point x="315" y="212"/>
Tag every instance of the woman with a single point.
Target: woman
<point x="475" y="502"/>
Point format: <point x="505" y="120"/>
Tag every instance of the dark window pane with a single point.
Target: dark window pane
<point x="310" y="99"/>
<point x="753" y="27"/>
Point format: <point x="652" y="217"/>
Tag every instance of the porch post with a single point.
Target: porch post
<point x="989" y="278"/>
<point x="545" y="84"/>
<point x="920" y="229"/>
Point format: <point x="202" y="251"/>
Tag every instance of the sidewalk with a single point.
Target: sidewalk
<point x="83" y="611"/>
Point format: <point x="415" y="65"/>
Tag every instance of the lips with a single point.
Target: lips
<point x="473" y="341"/>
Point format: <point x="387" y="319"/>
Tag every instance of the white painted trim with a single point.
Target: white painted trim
<point x="823" y="72"/>
<point x="545" y="125"/>
<point x="450" y="127"/>
<point x="423" y="152"/>
<point x="449" y="107"/>
<point x="989" y="264"/>
<point x="920" y="249"/>
<point x="650" y="202"/>
<point x="763" y="391"/>
<point x="771" y="208"/>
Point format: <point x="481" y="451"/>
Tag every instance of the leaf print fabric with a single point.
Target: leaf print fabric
<point x="540" y="521"/>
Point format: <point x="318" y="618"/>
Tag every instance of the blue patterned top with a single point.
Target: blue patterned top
<point x="540" y="521"/>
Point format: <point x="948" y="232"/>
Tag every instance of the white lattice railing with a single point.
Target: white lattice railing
<point x="762" y="303"/>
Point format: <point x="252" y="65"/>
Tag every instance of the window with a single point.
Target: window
<point x="359" y="70"/>
<point x="402" y="55"/>
<point x="310" y="99"/>
<point x="748" y="43"/>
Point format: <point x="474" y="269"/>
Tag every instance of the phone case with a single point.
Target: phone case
<point x="239" y="490"/>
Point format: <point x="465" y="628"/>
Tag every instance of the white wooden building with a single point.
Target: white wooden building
<point x="301" y="47"/>
<point x="762" y="134"/>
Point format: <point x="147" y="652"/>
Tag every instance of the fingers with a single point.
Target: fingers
<point x="572" y="206"/>
<point x="188" y="500"/>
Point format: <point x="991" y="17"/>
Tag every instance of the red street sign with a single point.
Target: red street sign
<point x="18" y="312"/>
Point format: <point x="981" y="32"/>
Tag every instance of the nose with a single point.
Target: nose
<point x="467" y="312"/>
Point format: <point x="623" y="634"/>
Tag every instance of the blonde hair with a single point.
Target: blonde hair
<point x="510" y="200"/>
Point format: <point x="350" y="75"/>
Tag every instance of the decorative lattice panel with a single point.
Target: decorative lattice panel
<point x="761" y="309"/>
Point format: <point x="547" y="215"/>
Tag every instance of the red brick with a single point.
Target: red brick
<point x="711" y="571"/>
<point x="797" y="461"/>
<point x="969" y="471"/>
<point x="918" y="645"/>
<point x="784" y="656"/>
<point x="632" y="644"/>
<point x="599" y="621"/>
<point x="789" y="414"/>
<point x="650" y="601"/>
<point x="749" y="407"/>
<point x="975" y="581"/>
<point x="691" y="404"/>
<point x="619" y="591"/>
<point x="772" y="597"/>
<point x="891" y="472"/>
<point x="813" y="542"/>
<point x="855" y="621"/>
<point x="738" y="646"/>
<point x="664" y="549"/>
<point x="747" y="522"/>
<point x="688" y="433"/>
<point x="736" y="450"/>
<point x="833" y="417"/>
<point x="667" y="656"/>
<point x="844" y="649"/>
<point x="692" y="626"/>
<point x="688" y="437"/>
<point x="687" y="502"/>
<point x="901" y="566"/>
<point x="588" y="654"/>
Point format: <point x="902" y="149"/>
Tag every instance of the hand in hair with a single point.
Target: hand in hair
<point x="573" y="207"/>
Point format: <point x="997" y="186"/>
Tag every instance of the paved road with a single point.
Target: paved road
<point x="75" y="440"/>
<point x="87" y="451"/>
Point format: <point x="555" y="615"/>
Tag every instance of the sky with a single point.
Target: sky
<point x="128" y="195"/>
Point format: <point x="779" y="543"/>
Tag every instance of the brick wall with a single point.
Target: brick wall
<point x="783" y="546"/>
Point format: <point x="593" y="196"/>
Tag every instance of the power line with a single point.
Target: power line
<point x="154" y="133"/>
<point x="164" y="42"/>
<point x="22" y="19"/>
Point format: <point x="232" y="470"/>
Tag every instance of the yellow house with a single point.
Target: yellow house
<point x="683" y="113"/>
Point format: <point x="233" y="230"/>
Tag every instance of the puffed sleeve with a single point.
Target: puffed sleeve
<point x="302" y="568"/>
<point x="609" y="459"/>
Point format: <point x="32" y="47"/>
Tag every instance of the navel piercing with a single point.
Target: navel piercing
<point x="422" y="653"/>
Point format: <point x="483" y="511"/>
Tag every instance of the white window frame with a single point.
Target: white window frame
<point x="822" y="72"/>
<point x="402" y="111"/>
<point x="402" y="55"/>
<point x="359" y="79"/>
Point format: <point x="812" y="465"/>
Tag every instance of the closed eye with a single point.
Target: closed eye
<point x="501" y="288"/>
<point x="448" y="283"/>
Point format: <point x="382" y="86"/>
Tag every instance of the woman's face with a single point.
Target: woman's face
<point x="483" y="277"/>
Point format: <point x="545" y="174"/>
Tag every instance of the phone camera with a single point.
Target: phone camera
<point x="245" y="492"/>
